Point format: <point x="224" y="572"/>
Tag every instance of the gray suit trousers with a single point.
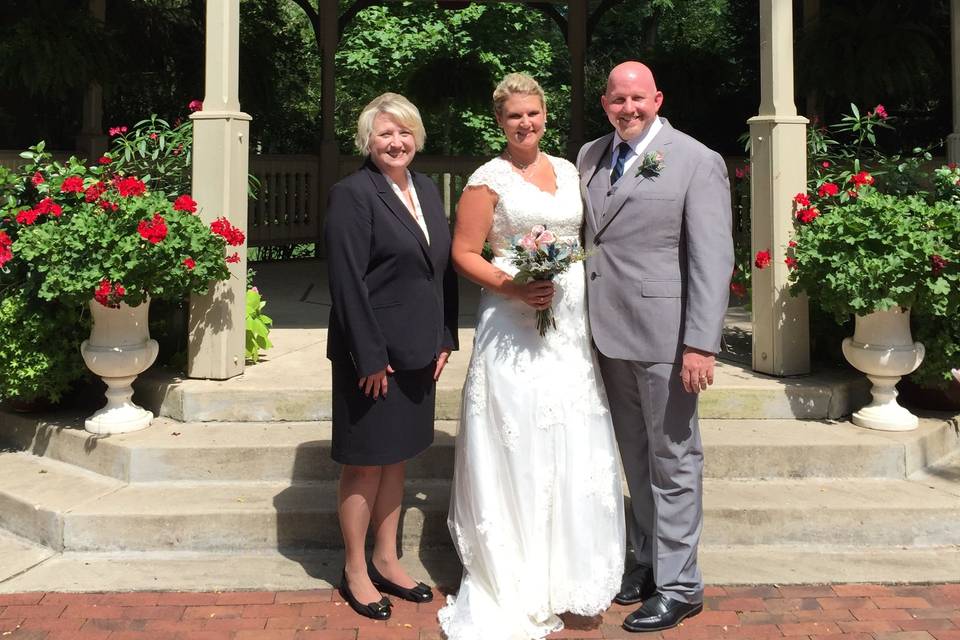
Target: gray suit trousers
<point x="656" y="426"/>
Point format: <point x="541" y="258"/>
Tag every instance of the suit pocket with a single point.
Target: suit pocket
<point x="661" y="289"/>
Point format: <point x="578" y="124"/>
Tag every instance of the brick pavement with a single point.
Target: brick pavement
<point x="838" y="612"/>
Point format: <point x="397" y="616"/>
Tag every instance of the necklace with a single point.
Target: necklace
<point x="521" y="167"/>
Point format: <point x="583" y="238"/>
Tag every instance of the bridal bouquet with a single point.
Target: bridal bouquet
<point x="540" y="255"/>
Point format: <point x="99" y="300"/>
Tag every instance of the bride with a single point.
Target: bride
<point x="537" y="510"/>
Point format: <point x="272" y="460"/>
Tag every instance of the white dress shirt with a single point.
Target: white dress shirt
<point x="417" y="212"/>
<point x="637" y="146"/>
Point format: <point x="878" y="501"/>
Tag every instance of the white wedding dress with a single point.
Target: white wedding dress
<point x="536" y="511"/>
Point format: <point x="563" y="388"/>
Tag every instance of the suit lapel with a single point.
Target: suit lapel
<point x="591" y="171"/>
<point x="433" y="215"/>
<point x="397" y="207"/>
<point x="630" y="181"/>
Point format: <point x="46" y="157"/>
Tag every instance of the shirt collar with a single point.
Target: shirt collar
<point x="639" y="144"/>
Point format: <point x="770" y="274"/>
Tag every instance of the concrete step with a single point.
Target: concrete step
<point x="62" y="508"/>
<point x="296" y="387"/>
<point x="300" y="451"/>
<point x="320" y="569"/>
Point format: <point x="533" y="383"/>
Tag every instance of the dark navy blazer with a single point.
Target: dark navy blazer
<point x="394" y="296"/>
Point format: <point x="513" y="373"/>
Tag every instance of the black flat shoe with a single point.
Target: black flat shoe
<point x="660" y="613"/>
<point x="419" y="593"/>
<point x="374" y="610"/>
<point x="637" y="586"/>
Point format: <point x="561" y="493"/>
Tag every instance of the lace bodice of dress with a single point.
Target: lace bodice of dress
<point x="521" y="204"/>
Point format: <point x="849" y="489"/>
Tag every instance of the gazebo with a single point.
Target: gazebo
<point x="778" y="163"/>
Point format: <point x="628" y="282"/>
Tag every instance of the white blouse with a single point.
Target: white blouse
<point x="417" y="212"/>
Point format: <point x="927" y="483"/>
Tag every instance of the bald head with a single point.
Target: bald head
<point x="632" y="72"/>
<point x="631" y="100"/>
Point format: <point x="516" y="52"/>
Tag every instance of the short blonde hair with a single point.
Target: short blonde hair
<point x="395" y="105"/>
<point x="514" y="83"/>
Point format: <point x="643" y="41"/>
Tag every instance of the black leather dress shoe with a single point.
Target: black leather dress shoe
<point x="637" y="586"/>
<point x="419" y="593"/>
<point x="375" y="610"/>
<point x="659" y="613"/>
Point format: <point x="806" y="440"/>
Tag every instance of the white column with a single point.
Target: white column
<point x="781" y="332"/>
<point x="329" y="150"/>
<point x="953" y="140"/>
<point x="220" y="159"/>
<point x="91" y="141"/>
<point x="577" y="44"/>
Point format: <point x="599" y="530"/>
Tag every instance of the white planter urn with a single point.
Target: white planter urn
<point x="119" y="349"/>
<point x="882" y="348"/>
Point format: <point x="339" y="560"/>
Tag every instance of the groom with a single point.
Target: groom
<point x="658" y="228"/>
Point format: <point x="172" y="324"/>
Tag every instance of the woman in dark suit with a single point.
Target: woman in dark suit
<point x="393" y="323"/>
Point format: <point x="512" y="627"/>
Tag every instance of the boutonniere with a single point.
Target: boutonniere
<point x="651" y="164"/>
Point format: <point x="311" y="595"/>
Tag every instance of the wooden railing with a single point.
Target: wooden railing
<point x="287" y="206"/>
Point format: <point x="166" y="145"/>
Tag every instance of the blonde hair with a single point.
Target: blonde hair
<point x="395" y="105"/>
<point x="514" y="83"/>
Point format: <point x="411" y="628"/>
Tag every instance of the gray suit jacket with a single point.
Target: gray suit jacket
<point x="661" y="249"/>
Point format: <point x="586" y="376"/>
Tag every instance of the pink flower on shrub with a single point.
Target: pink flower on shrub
<point x="130" y="186"/>
<point x="37" y="179"/>
<point x="154" y="230"/>
<point x="195" y="105"/>
<point x="938" y="264"/>
<point x="153" y="136"/>
<point x="880" y="112"/>
<point x="116" y="131"/>
<point x="762" y="260"/>
<point x="825" y="164"/>
<point x="73" y="184"/>
<point x="185" y="203"/>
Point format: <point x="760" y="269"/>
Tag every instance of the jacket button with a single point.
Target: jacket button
<point x="430" y="278"/>
<point x="593" y="276"/>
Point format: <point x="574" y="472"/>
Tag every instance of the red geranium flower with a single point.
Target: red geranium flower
<point x="185" y="203"/>
<point x="222" y="227"/>
<point x="762" y="261"/>
<point x="802" y="199"/>
<point x="109" y="295"/>
<point x="828" y="189"/>
<point x="861" y="178"/>
<point x="94" y="191"/>
<point x="738" y="289"/>
<point x="791" y="262"/>
<point x="27" y="216"/>
<point x="106" y="205"/>
<point x="808" y="215"/>
<point x="234" y="258"/>
<point x="37" y="179"/>
<point x="105" y="160"/>
<point x="130" y="186"/>
<point x="5" y="253"/>
<point x="154" y="230"/>
<point x="48" y="206"/>
<point x="791" y="244"/>
<point x="195" y="105"/>
<point x="189" y="263"/>
<point x="73" y="184"/>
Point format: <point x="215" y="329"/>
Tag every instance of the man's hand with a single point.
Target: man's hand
<point x="697" y="372"/>
<point x="441" y="363"/>
<point x="375" y="385"/>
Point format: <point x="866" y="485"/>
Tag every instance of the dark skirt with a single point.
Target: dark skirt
<point x="387" y="430"/>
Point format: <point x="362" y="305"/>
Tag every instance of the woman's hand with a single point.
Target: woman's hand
<point x="536" y="293"/>
<point x="375" y="385"/>
<point x="441" y="363"/>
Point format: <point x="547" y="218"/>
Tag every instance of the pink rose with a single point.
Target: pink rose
<point x="546" y="237"/>
<point x="528" y="243"/>
<point x="537" y="230"/>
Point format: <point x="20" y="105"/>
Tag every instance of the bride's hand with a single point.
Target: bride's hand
<point x="536" y="293"/>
